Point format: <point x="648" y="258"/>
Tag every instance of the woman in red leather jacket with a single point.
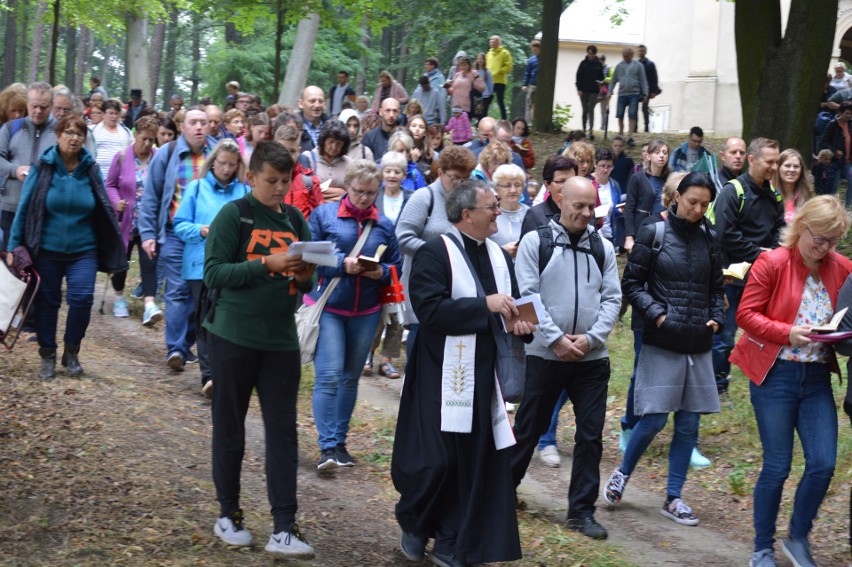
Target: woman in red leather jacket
<point x="790" y="290"/>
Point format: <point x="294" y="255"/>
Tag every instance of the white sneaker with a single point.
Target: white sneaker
<point x="231" y="531"/>
<point x="287" y="545"/>
<point x="550" y="456"/>
<point x="152" y="315"/>
<point x="613" y="490"/>
<point x="119" y="308"/>
<point x="699" y="461"/>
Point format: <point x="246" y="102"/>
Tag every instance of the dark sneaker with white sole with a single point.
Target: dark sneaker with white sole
<point x="342" y="456"/>
<point x="678" y="511"/>
<point x="328" y="460"/>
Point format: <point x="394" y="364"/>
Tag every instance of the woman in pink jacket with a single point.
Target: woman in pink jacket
<point x="124" y="186"/>
<point x="388" y="88"/>
<point x="464" y="80"/>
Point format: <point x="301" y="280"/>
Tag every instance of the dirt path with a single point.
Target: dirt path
<point x="114" y="469"/>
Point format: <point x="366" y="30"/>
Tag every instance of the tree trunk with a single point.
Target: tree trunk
<point x="70" y="52"/>
<point x="782" y="72"/>
<point x="171" y="55"/>
<point x="106" y="68"/>
<point x="300" y="61"/>
<point x="402" y="75"/>
<point x="366" y="35"/>
<point x="157" y="41"/>
<point x="23" y="44"/>
<point x="82" y="60"/>
<point x="279" y="31"/>
<point x="232" y="35"/>
<point x="11" y="40"/>
<point x="137" y="53"/>
<point x="38" y="39"/>
<point x="54" y="42"/>
<point x="546" y="82"/>
<point x="196" y="58"/>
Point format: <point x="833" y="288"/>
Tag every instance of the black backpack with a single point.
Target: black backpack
<point x="205" y="309"/>
<point x="546" y="246"/>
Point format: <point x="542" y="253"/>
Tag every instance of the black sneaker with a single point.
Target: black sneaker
<point x="342" y="456"/>
<point x="328" y="460"/>
<point x="191" y="358"/>
<point x="588" y="527"/>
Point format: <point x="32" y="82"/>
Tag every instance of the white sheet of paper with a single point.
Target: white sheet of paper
<point x="602" y="211"/>
<point x="321" y="252"/>
<point x="535" y="299"/>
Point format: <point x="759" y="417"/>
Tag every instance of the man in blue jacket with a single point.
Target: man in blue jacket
<point x="170" y="171"/>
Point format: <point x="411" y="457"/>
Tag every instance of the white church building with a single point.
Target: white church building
<point x="692" y="44"/>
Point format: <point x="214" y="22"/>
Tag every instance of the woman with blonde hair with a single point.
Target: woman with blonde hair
<point x="584" y="154"/>
<point x="791" y="180"/>
<point x="13" y="102"/>
<point x="493" y="156"/>
<point x="388" y="87"/>
<point x="220" y="181"/>
<point x="790" y="290"/>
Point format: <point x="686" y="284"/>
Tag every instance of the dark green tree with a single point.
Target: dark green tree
<point x="781" y="74"/>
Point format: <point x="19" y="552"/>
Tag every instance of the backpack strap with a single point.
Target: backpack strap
<point x="16" y="126"/>
<point x="546" y="246"/>
<point x="296" y="218"/>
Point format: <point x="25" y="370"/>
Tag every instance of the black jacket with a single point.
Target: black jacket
<point x="641" y="201"/>
<point x="588" y="74"/>
<point x="539" y="215"/>
<point x="832" y="138"/>
<point x="684" y="283"/>
<point x="741" y="235"/>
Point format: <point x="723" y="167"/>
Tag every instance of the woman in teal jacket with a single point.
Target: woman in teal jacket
<point x="220" y="182"/>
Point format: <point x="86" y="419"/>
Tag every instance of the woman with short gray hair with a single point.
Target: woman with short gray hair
<point x="509" y="181"/>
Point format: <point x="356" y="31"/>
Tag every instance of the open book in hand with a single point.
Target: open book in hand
<point x="320" y="252"/>
<point x="832" y="325"/>
<point x="370" y="263"/>
<point x="737" y="271"/>
<point x="530" y="309"/>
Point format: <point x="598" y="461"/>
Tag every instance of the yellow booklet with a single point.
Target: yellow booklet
<point x="737" y="271"/>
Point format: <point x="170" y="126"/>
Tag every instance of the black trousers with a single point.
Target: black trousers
<point x="236" y="371"/>
<point x="147" y="269"/>
<point x="586" y="383"/>
<point x="500" y="92"/>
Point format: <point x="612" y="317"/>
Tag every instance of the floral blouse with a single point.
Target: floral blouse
<point x="815" y="309"/>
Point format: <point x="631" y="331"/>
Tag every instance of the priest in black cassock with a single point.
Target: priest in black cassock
<point x="450" y="463"/>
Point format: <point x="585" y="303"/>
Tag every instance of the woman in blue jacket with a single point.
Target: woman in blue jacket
<point x="350" y="316"/>
<point x="220" y="181"/>
<point x="67" y="224"/>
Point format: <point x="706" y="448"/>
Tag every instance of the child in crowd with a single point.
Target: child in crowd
<point x="459" y="127"/>
<point x="254" y="345"/>
<point x="825" y="173"/>
<point x="521" y="143"/>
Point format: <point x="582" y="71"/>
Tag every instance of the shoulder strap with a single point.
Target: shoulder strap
<point x="431" y="205"/>
<point x="15" y="126"/>
<point x="295" y="216"/>
<point x="659" y="235"/>
<point x="246" y="220"/>
<point x="597" y="248"/>
<point x="545" y="247"/>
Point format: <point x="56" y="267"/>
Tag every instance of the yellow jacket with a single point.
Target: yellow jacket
<point x="499" y="62"/>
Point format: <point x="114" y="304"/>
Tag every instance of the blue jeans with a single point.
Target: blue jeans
<point x="631" y="102"/>
<point x="629" y="420"/>
<point x="549" y="437"/>
<point x="680" y="451"/>
<point x="79" y="271"/>
<point x="723" y="343"/>
<point x="794" y="397"/>
<point x="180" y="309"/>
<point x="342" y="347"/>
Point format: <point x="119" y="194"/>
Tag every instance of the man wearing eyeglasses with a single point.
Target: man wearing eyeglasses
<point x="21" y="142"/>
<point x="451" y="456"/>
<point x="749" y="219"/>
